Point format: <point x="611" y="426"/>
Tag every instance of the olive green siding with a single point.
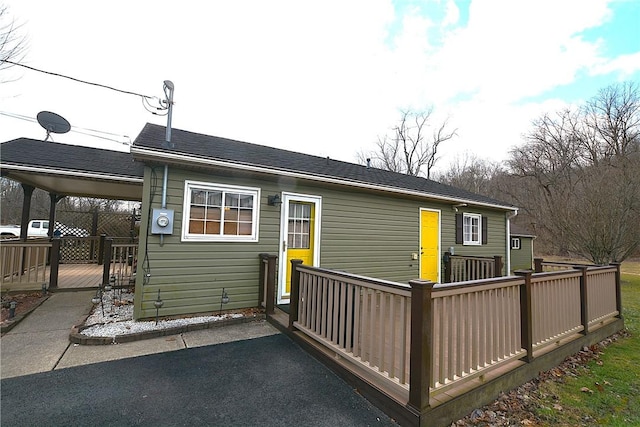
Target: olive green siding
<point x="496" y="239"/>
<point x="522" y="259"/>
<point x="362" y="232"/>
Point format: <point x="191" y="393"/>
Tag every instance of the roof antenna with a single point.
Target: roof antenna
<point x="53" y="123"/>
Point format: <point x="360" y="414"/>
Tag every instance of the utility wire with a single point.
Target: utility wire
<point x="78" y="80"/>
<point x="88" y="132"/>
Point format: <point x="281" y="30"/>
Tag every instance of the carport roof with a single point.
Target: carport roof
<point x="72" y="170"/>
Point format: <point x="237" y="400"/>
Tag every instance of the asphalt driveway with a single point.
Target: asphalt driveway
<point x="267" y="381"/>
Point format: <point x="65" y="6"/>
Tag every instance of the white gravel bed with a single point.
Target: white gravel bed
<point x="117" y="318"/>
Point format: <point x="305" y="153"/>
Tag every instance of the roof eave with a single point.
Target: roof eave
<point x="71" y="173"/>
<point x="143" y="153"/>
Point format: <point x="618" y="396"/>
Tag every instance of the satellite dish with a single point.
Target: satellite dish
<point x="53" y="123"/>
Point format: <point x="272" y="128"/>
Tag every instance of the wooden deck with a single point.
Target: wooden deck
<point x="75" y="276"/>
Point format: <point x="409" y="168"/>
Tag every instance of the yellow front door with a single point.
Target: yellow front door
<point x="429" y="245"/>
<point x="299" y="242"/>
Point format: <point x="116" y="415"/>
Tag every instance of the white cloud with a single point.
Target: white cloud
<point x="324" y="79"/>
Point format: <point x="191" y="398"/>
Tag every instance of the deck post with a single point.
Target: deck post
<point x="420" y="358"/>
<point x="106" y="261"/>
<point x="447" y="267"/>
<point x="27" y="191"/>
<point x="295" y="292"/>
<point x="267" y="288"/>
<point x="101" y="249"/>
<point x="526" y="314"/>
<point x="537" y="263"/>
<point x="584" y="299"/>
<point x="54" y="266"/>
<point x="497" y="265"/>
<point x="261" y="277"/>
<point x="271" y="283"/>
<point x="618" y="290"/>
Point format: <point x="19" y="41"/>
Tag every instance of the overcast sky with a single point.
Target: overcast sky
<point x="323" y="78"/>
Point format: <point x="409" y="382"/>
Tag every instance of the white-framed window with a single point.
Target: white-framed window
<point x="472" y="229"/>
<point x="515" y="243"/>
<point x="220" y="213"/>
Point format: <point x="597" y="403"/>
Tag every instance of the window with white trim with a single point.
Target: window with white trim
<point x="472" y="229"/>
<point x="216" y="212"/>
<point x="515" y="243"/>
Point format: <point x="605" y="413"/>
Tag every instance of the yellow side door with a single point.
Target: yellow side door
<point x="300" y="226"/>
<point x="429" y="245"/>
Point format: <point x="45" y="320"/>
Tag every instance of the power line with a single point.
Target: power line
<point x="84" y="131"/>
<point x="79" y="80"/>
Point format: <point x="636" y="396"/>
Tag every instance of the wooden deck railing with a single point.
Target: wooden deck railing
<point x="421" y="340"/>
<point x="459" y="268"/>
<point x="120" y="263"/>
<point x="365" y="321"/>
<point x="25" y="264"/>
<point x="30" y="265"/>
<point x="540" y="265"/>
<point x="604" y="300"/>
<point x="476" y="328"/>
<point x="556" y="306"/>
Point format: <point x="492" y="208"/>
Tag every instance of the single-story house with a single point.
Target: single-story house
<point x="521" y="248"/>
<point x="211" y="205"/>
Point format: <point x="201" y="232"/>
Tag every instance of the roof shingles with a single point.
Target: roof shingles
<point x="152" y="137"/>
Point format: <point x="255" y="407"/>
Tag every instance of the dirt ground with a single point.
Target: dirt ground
<point x="519" y="407"/>
<point x="24" y="302"/>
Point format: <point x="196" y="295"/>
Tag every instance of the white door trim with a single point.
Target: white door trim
<point x="284" y="222"/>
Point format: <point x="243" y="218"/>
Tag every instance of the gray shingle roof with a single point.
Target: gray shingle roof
<point x="243" y="153"/>
<point x="52" y="155"/>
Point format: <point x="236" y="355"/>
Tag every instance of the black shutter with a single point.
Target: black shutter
<point x="485" y="230"/>
<point x="459" y="228"/>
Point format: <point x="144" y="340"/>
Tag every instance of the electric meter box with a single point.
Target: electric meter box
<point x="162" y="221"/>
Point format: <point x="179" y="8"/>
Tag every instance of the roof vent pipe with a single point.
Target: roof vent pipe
<point x="368" y="163"/>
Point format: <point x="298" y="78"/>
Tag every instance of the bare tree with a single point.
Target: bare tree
<point x="87" y="204"/>
<point x="578" y="176"/>
<point x="11" y="196"/>
<point x="474" y="174"/>
<point x="13" y="45"/>
<point x="412" y="147"/>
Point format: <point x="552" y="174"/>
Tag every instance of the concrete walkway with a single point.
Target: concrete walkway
<point x="40" y="343"/>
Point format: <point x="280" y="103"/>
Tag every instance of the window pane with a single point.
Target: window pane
<point x="198" y="197"/>
<point x="214" y="198"/>
<point x="246" y="215"/>
<point x="197" y="212"/>
<point x="246" y="201"/>
<point x="213" y="214"/>
<point x="244" y="229"/>
<point x="196" y="227"/>
<point x="230" y="228"/>
<point x="232" y="200"/>
<point x="213" y="227"/>
<point x="231" y="215"/>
